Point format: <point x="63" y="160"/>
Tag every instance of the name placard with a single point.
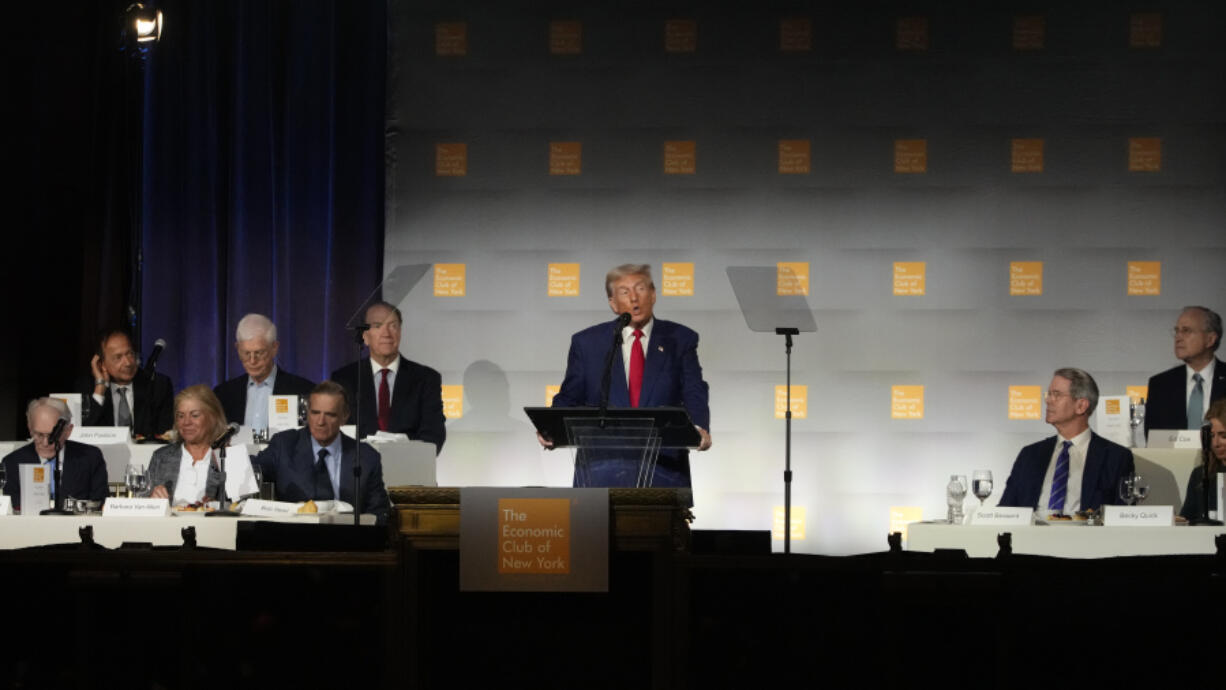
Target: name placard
<point x="6" y="505"/>
<point x="261" y="508"/>
<point x="1138" y="516"/>
<point x="1002" y="516"/>
<point x="534" y="540"/>
<point x="102" y="435"/>
<point x="1174" y="438"/>
<point x="136" y="507"/>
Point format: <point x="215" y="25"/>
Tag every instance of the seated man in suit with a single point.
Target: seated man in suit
<point x="124" y="395"/>
<point x="1076" y="469"/>
<point x="317" y="462"/>
<point x="656" y="366"/>
<point x="83" y="470"/>
<point x="398" y="395"/>
<point x="245" y="398"/>
<point x="1180" y="397"/>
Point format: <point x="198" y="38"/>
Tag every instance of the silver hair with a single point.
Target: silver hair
<point x="1081" y="385"/>
<point x="1213" y="322"/>
<point x="54" y="403"/>
<point x="627" y="270"/>
<point x="254" y="326"/>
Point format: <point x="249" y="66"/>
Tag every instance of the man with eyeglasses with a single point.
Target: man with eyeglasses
<point x="1076" y="469"/>
<point x="1179" y="397"/>
<point x="398" y="395"/>
<point x="245" y="398"/>
<point x="656" y="366"/>
<point x="83" y="470"/>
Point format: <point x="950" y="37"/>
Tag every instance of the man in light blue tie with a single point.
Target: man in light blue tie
<point x="1076" y="469"/>
<point x="1179" y="397"/>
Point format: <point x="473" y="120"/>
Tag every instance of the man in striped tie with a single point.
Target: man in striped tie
<point x="1076" y="469"/>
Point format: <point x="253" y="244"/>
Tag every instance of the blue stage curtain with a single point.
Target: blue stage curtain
<point x="263" y="180"/>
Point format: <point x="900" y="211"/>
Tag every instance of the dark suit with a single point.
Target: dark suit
<point x="672" y="377"/>
<point x="233" y="393"/>
<point x="153" y="406"/>
<point x="1106" y="463"/>
<point x="417" y="400"/>
<point x="1167" y="404"/>
<point x="83" y="473"/>
<point x="289" y="462"/>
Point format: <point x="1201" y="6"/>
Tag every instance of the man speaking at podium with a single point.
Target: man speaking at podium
<point x="657" y="366"/>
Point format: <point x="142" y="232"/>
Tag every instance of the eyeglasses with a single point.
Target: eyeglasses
<point x="254" y="355"/>
<point x="1185" y="331"/>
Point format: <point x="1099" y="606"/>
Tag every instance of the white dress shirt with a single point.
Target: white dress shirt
<point x="392" y="368"/>
<point x="1076" y="467"/>
<point x="113" y="391"/>
<point x="628" y="342"/>
<point x="258" y="394"/>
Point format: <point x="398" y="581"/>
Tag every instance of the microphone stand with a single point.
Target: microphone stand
<point x="1207" y="477"/>
<point x="222" y="500"/>
<point x="787" y="334"/>
<point x="58" y="508"/>
<point x="622" y="320"/>
<point x="359" y="333"/>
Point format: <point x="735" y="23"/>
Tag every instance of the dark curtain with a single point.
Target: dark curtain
<point x="263" y="180"/>
<point x="69" y="148"/>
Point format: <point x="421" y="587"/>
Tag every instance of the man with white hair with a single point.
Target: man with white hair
<point x="245" y="398"/>
<point x="82" y="467"/>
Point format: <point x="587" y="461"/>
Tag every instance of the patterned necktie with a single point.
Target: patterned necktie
<point x="636" y="368"/>
<point x="1196" y="403"/>
<point x="123" y="413"/>
<point x="1059" y="481"/>
<point x="323" y="489"/>
<point x="385" y="402"/>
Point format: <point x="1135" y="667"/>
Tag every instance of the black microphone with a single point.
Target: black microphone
<point x="151" y="363"/>
<point x="224" y="440"/>
<point x="622" y="320"/>
<point x="54" y="437"/>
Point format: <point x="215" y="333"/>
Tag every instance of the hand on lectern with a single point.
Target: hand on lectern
<point x="546" y="443"/>
<point x="706" y="438"/>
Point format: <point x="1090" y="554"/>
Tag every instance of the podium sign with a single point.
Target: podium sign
<point x="534" y="540"/>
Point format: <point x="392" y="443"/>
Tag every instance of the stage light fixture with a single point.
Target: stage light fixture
<point x="143" y="23"/>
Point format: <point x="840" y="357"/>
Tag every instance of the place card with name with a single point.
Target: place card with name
<point x="6" y="505"/>
<point x="1138" y="516"/>
<point x="136" y="507"/>
<point x="102" y="435"/>
<point x="261" y="508"/>
<point x="1174" y="438"/>
<point x="1002" y="516"/>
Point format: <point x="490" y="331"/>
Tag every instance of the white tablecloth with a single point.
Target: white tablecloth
<point x="1066" y="541"/>
<point x="22" y="531"/>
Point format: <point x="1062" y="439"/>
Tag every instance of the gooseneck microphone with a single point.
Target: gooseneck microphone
<point x="151" y="363"/>
<point x="622" y="321"/>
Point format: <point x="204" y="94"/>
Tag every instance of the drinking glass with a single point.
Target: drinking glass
<point x="1140" y="488"/>
<point x="129" y="479"/>
<point x="140" y="482"/>
<point x="981" y="485"/>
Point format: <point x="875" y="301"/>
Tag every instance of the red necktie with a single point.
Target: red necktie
<point x="385" y="402"/>
<point x="636" y="368"/>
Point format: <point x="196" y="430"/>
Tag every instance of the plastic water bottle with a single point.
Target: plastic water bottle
<point x="955" y="494"/>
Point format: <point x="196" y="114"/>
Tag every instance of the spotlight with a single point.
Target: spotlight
<point x="142" y="24"/>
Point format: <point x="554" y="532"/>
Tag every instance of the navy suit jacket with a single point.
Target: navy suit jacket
<point x="1167" y="404"/>
<point x="154" y="403"/>
<point x="83" y="474"/>
<point x="290" y="463"/>
<point x="672" y="377"/>
<point x="417" y="400"/>
<point x="233" y="393"/>
<point x="1106" y="463"/>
